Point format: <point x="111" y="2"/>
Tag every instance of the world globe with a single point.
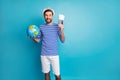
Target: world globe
<point x="33" y="31"/>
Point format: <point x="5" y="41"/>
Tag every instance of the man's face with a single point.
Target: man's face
<point x="48" y="17"/>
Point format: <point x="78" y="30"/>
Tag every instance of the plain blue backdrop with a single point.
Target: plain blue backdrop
<point x="91" y="50"/>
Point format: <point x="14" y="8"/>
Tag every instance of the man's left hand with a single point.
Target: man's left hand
<point x="61" y="27"/>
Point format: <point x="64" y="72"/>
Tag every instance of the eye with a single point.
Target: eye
<point x="45" y="14"/>
<point x="50" y="15"/>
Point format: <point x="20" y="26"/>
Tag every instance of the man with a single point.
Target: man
<point x="50" y="33"/>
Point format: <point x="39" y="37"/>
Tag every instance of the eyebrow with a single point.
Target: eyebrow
<point x="48" y="14"/>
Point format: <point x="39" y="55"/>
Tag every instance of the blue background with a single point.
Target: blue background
<point x="91" y="50"/>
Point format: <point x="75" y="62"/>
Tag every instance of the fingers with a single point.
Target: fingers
<point x="60" y="25"/>
<point x="31" y="37"/>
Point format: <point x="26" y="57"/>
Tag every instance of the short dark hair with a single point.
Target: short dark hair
<point x="48" y="10"/>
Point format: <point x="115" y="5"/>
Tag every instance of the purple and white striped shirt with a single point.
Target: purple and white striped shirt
<point x="49" y="37"/>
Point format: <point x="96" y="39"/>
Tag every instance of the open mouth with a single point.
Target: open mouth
<point x="48" y="19"/>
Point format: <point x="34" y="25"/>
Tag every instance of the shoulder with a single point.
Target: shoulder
<point x="55" y="24"/>
<point x="42" y="25"/>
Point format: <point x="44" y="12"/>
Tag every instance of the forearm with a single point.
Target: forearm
<point x="62" y="36"/>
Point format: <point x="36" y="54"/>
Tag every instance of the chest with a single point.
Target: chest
<point x="49" y="31"/>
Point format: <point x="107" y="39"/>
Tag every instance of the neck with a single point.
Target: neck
<point x="49" y="23"/>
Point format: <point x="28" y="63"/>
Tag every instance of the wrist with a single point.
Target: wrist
<point x="62" y="31"/>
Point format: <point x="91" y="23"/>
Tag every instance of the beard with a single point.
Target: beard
<point x="48" y="20"/>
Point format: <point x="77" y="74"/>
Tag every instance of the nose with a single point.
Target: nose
<point x="48" y="16"/>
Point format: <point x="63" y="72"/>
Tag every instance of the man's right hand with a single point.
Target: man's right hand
<point x="34" y="39"/>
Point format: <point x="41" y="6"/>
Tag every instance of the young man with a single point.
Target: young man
<point x="50" y="33"/>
